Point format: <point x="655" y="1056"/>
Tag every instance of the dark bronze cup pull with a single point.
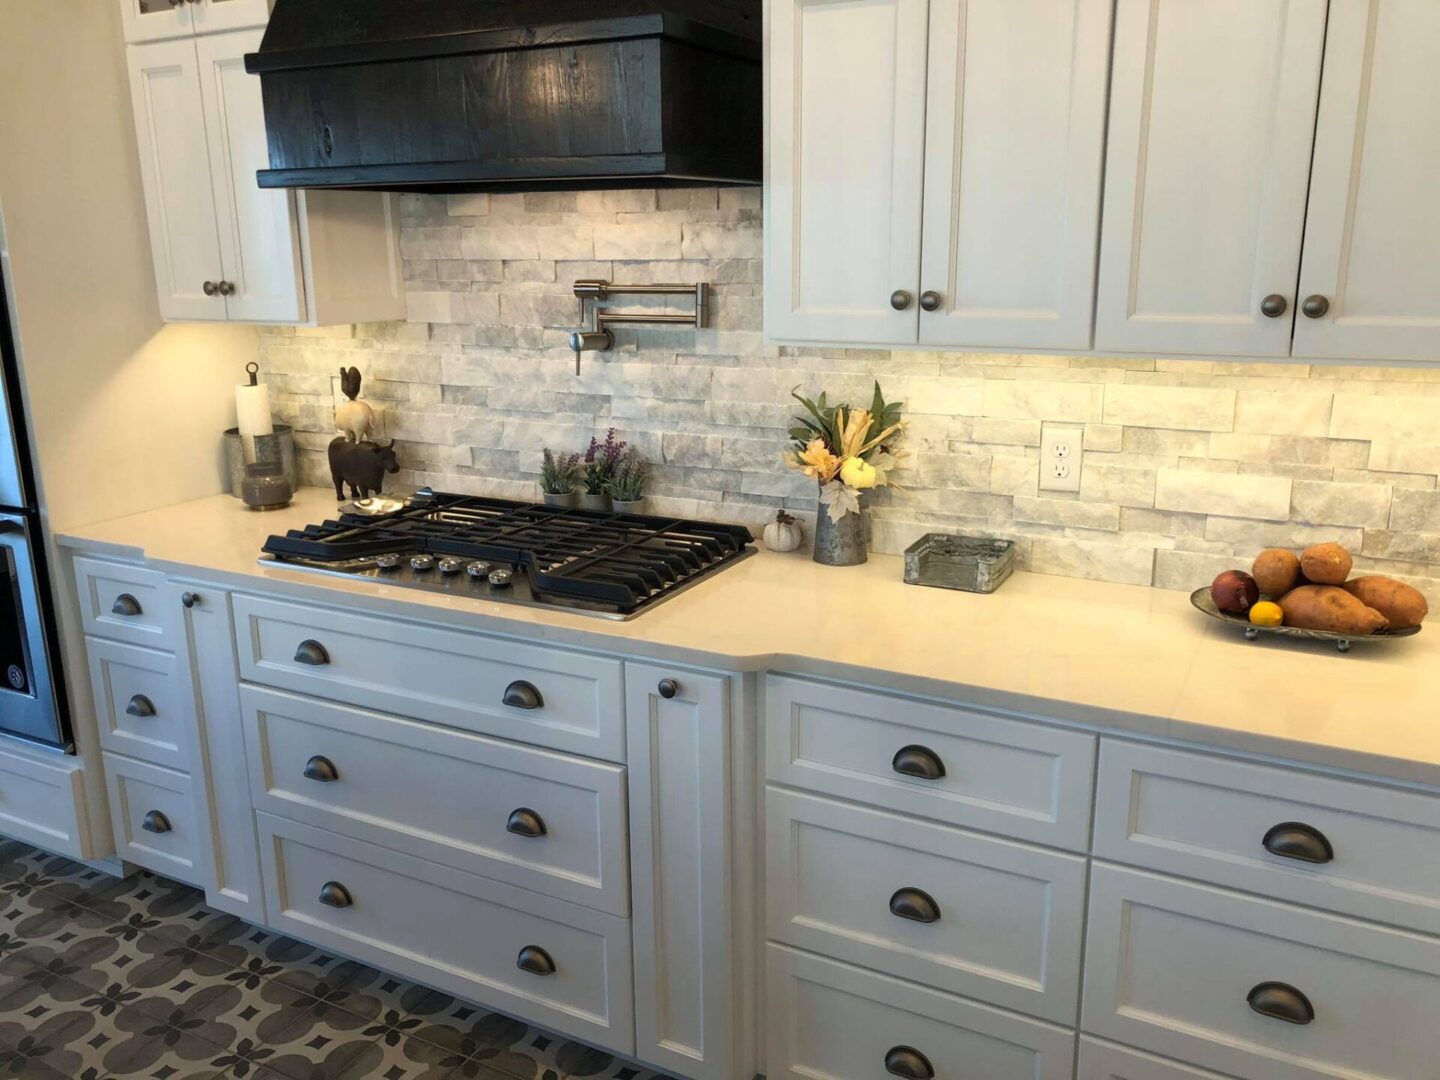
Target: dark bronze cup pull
<point x="910" y="1063"/>
<point x="523" y="695"/>
<point x="140" y="706"/>
<point x="312" y="654"/>
<point x="333" y="894"/>
<point x="920" y="762"/>
<point x="1296" y="840"/>
<point x="535" y="960"/>
<point x="915" y="905"/>
<point x="527" y="823"/>
<point x="1281" y="1001"/>
<point x="126" y="606"/>
<point x="321" y="769"/>
<point x="156" y="822"/>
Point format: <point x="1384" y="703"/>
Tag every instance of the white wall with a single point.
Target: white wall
<point x="127" y="412"/>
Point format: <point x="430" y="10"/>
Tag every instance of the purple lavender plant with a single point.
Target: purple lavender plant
<point x="600" y="461"/>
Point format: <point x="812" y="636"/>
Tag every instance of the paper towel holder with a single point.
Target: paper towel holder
<point x="253" y="370"/>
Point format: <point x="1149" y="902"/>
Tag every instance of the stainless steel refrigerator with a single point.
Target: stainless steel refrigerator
<point x="32" y="702"/>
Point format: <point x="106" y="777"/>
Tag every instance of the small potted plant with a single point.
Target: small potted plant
<point x="600" y="461"/>
<point x="559" y="475"/>
<point x="627" y="486"/>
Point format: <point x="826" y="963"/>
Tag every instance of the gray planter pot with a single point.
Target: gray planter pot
<point x="629" y="506"/>
<point x="566" y="499"/>
<point x="600" y="503"/>
<point x="840" y="543"/>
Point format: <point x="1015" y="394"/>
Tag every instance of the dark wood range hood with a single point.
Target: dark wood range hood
<point x="476" y="95"/>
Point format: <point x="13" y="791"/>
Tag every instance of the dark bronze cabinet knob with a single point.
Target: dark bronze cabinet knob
<point x="1281" y="1001"/>
<point x="523" y="695"/>
<point x="190" y="600"/>
<point x="322" y="770"/>
<point x="312" y="654"/>
<point x="156" y="822"/>
<point x="916" y="905"/>
<point x="140" y="706"/>
<point x="1315" y="307"/>
<point x="226" y="288"/>
<point x="1296" y="840"/>
<point x="930" y="301"/>
<point x="1274" y="305"/>
<point x="333" y="894"/>
<point x="126" y="606"/>
<point x="210" y="288"/>
<point x="535" y="960"/>
<point x="910" y="1063"/>
<point x="527" y="823"/>
<point x="668" y="688"/>
<point x="900" y="300"/>
<point x="920" y="762"/>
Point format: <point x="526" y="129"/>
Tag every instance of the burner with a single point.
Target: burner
<point x="605" y="564"/>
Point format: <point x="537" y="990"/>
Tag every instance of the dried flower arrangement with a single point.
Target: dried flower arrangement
<point x="847" y="450"/>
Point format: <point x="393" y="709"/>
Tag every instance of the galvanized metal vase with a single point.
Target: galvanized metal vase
<point x="840" y="543"/>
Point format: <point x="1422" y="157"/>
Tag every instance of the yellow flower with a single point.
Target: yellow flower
<point x="857" y="473"/>
<point x="815" y="460"/>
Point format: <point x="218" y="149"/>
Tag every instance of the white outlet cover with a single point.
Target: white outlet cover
<point x="1061" y="457"/>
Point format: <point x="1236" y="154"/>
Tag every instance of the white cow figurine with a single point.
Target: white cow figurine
<point x="355" y="419"/>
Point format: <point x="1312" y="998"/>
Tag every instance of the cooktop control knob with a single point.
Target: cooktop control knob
<point x="478" y="569"/>
<point x="451" y="565"/>
<point x="422" y="562"/>
<point x="387" y="562"/>
<point x="501" y="578"/>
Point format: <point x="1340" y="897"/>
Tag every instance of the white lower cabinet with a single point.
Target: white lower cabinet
<point x="1257" y="988"/>
<point x="153" y="817"/>
<point x="43" y="802"/>
<point x="560" y="965"/>
<point x="831" y="1020"/>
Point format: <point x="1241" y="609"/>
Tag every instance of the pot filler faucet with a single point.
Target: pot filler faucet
<point x="598" y="338"/>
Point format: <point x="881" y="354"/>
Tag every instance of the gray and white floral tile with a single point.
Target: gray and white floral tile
<point x="105" y="979"/>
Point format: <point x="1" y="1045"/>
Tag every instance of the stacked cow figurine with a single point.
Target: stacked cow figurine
<point x="354" y="459"/>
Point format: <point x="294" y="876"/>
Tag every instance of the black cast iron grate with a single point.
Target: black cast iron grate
<point x="616" y="559"/>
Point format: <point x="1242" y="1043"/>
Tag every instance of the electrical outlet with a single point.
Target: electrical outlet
<point x="1061" y="457"/>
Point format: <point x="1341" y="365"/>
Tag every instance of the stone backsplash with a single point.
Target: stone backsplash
<point x="1189" y="466"/>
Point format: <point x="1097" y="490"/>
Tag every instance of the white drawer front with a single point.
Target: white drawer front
<point x="1004" y="776"/>
<point x="1170" y="967"/>
<point x="829" y="1020"/>
<point x="1208" y="818"/>
<point x="44" y="804"/>
<point x="1009" y="916"/>
<point x="142" y="794"/>
<point x="1105" y="1061"/>
<point x="138" y="703"/>
<point x="452" y="930"/>
<point x="124" y="603"/>
<point x="444" y="676"/>
<point x="443" y="795"/>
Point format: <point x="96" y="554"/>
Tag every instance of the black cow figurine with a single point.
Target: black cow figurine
<point x="362" y="465"/>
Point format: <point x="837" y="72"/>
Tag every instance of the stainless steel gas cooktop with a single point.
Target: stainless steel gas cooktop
<point x="609" y="565"/>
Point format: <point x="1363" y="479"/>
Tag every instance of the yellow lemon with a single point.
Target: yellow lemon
<point x="1267" y="614"/>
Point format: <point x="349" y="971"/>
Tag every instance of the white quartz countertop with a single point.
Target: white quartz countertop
<point x="1125" y="657"/>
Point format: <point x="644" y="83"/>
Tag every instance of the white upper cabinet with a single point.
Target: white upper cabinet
<point x="156" y="20"/>
<point x="1013" y="154"/>
<point x="846" y="166"/>
<point x="1372" y="241"/>
<point x="224" y="248"/>
<point x="1212" y="113"/>
<point x="179" y="200"/>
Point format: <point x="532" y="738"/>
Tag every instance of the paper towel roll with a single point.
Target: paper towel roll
<point x="252" y="410"/>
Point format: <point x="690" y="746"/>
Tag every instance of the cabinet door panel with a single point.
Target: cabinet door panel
<point x="259" y="242"/>
<point x="846" y="159"/>
<point x="1013" y="153"/>
<point x="1374" y="222"/>
<point x="179" y="198"/>
<point x="215" y="15"/>
<point x="156" y="20"/>
<point x="1212" y="114"/>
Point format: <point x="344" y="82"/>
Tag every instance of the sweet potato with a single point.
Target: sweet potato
<point x="1277" y="571"/>
<point x="1328" y="607"/>
<point x="1326" y="564"/>
<point x="1398" y="602"/>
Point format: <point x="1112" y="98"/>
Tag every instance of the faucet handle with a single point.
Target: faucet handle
<point x="590" y="341"/>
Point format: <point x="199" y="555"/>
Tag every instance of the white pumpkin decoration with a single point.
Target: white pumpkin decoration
<point x="784" y="533"/>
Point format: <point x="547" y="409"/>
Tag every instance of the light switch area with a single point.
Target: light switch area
<point x="1060" y="457"/>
